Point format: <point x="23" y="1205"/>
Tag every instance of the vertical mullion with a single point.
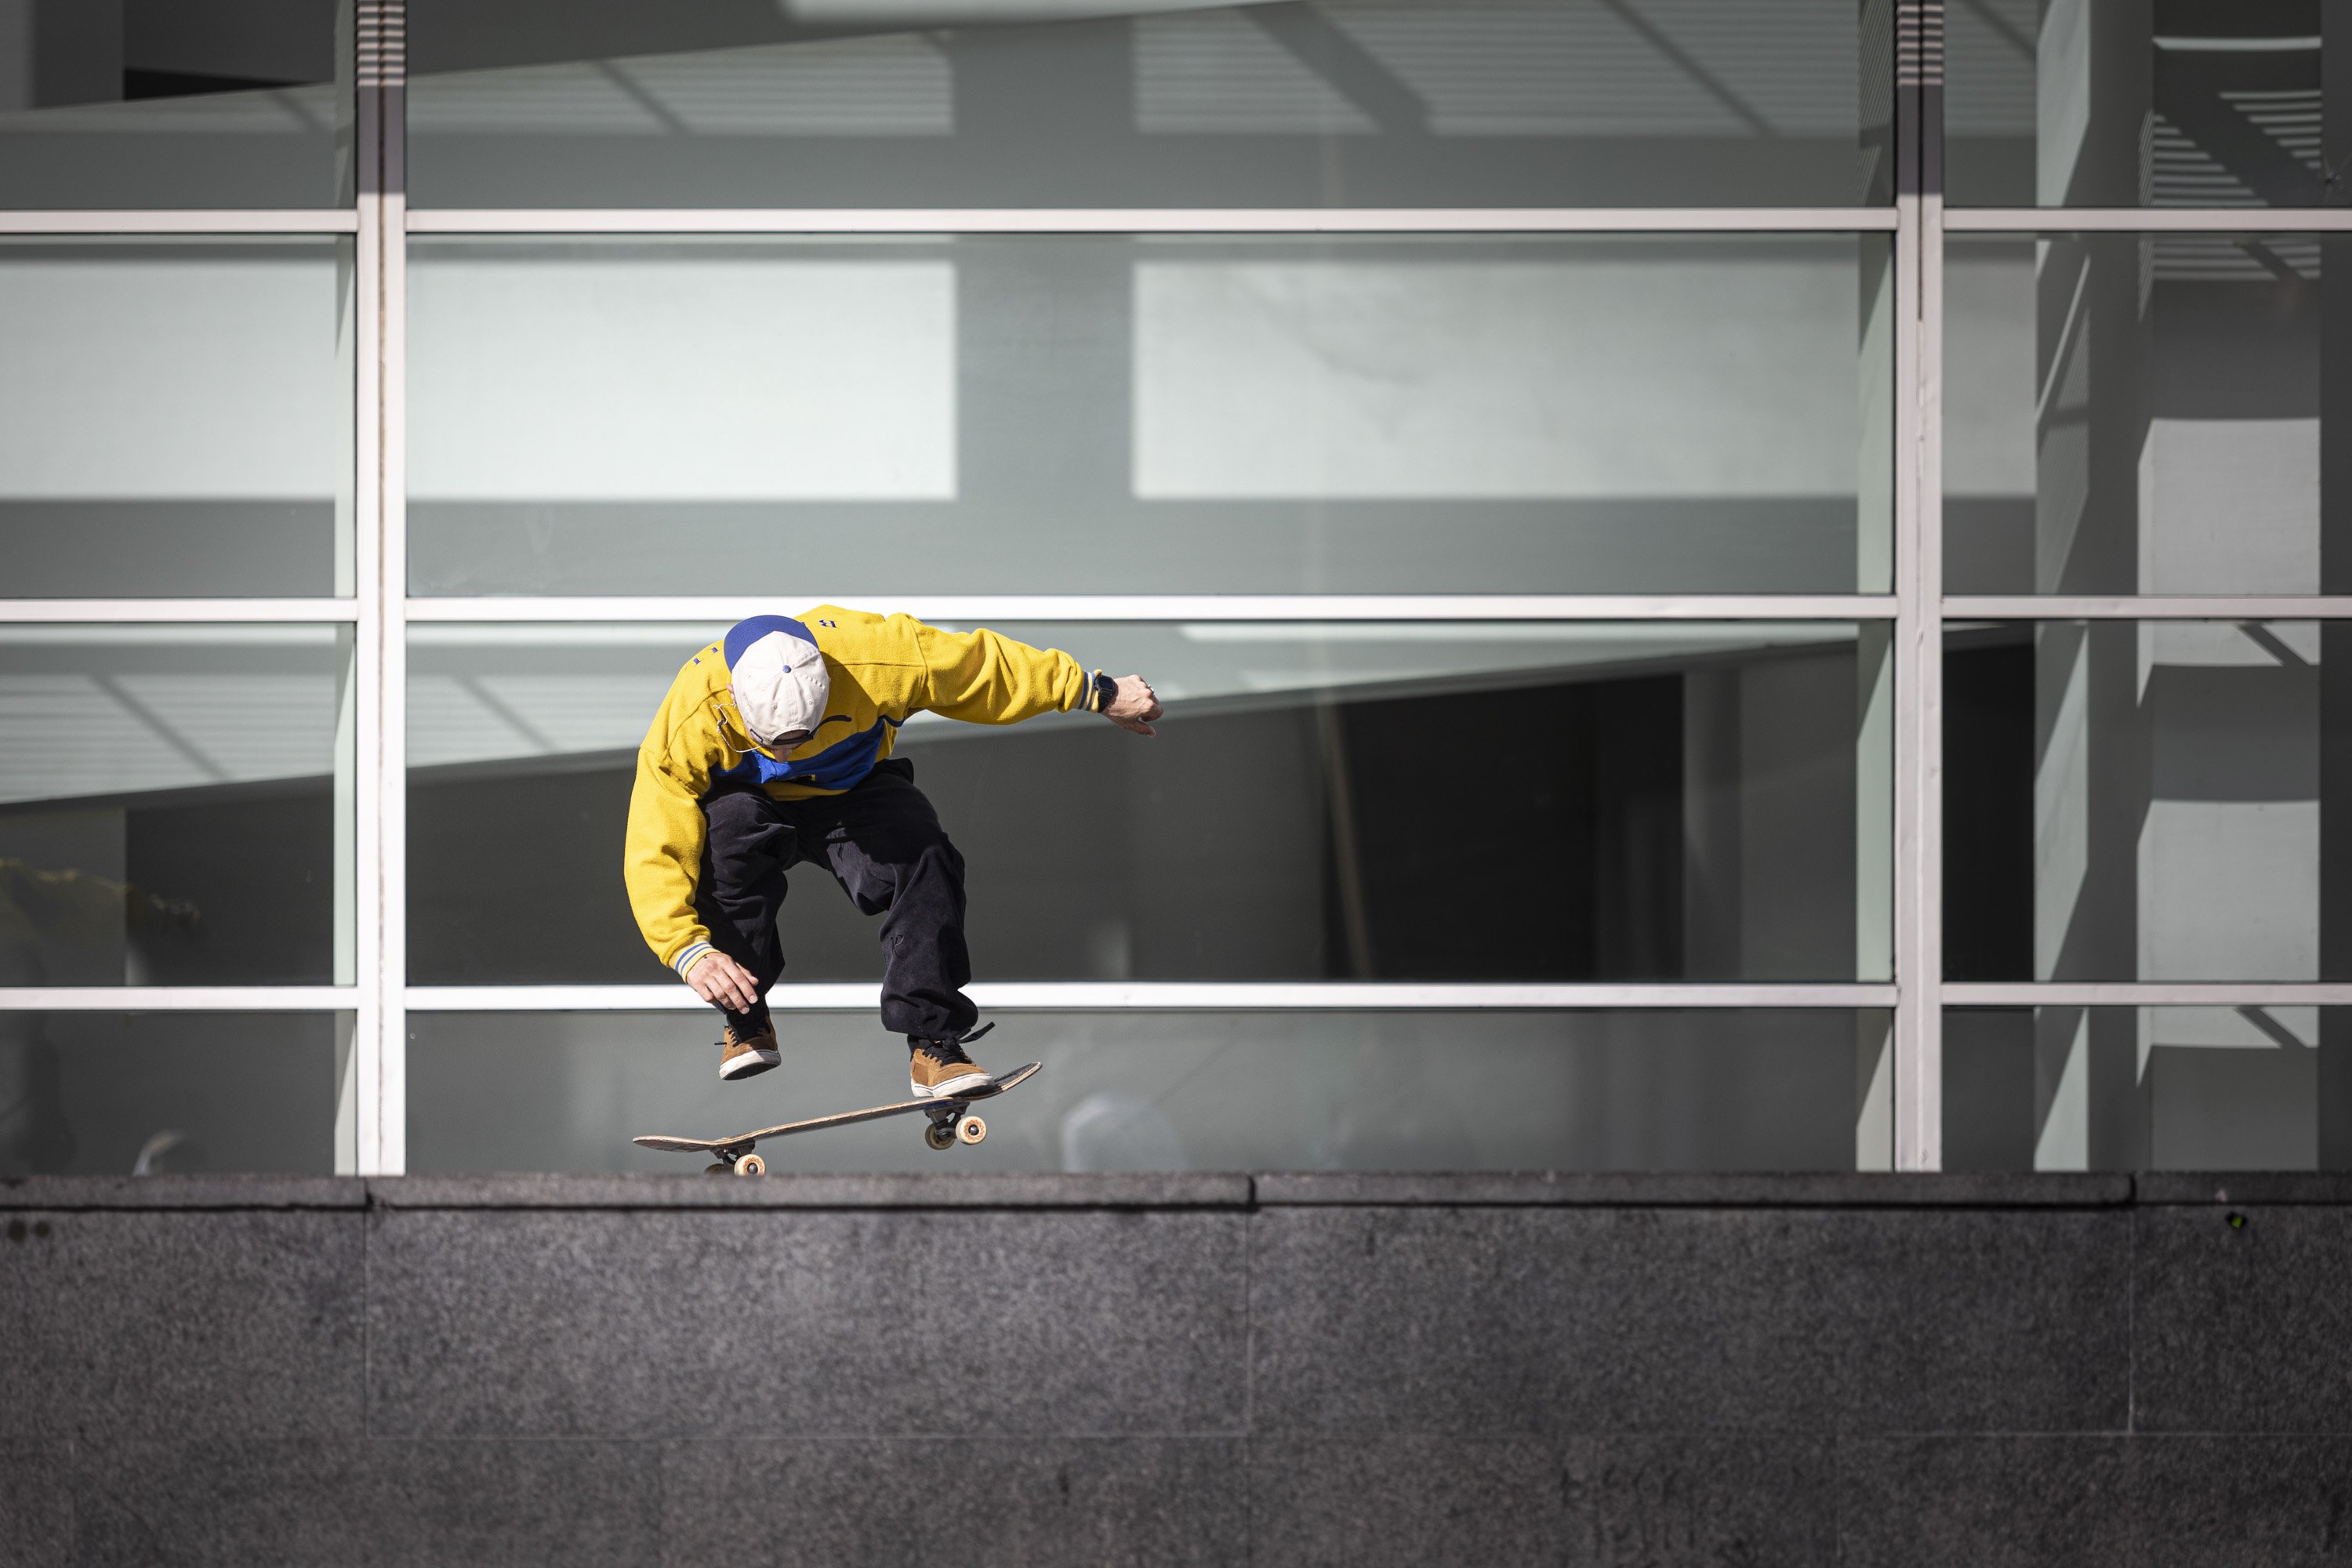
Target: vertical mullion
<point x="367" y="517"/>
<point x="1918" y="580"/>
<point x="393" y="1133"/>
<point x="379" y="1053"/>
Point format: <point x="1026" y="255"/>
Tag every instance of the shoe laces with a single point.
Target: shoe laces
<point x="947" y="1053"/>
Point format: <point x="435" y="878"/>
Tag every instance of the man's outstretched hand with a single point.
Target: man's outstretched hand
<point x="723" y="983"/>
<point x="1134" y="705"/>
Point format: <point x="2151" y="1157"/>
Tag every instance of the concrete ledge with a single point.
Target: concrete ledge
<point x="1226" y="1190"/>
<point x="1694" y="1190"/>
<point x="2324" y="1187"/>
<point x="70" y="1193"/>
<point x="894" y="1191"/>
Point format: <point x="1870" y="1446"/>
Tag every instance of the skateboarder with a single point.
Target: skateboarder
<point x="773" y="747"/>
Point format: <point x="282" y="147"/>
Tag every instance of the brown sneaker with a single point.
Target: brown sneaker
<point x="940" y="1070"/>
<point x="740" y="1055"/>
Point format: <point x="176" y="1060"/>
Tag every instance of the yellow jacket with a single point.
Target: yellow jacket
<point x="883" y="669"/>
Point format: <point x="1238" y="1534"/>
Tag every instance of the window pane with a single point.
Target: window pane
<point x="2145" y="801"/>
<point x="121" y="1094"/>
<point x="2188" y="103"/>
<point x="188" y="103"/>
<point x="176" y="418"/>
<point x="2163" y="1088"/>
<point x="1173" y="1091"/>
<point x="1416" y="802"/>
<point x="175" y="805"/>
<point x="2131" y="414"/>
<point x="832" y="103"/>
<point x="1083" y="415"/>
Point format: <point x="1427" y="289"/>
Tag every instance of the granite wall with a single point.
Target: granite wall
<point x="1279" y="1369"/>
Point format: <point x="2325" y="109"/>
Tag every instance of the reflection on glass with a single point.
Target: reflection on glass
<point x="188" y="103"/>
<point x="2163" y="1089"/>
<point x="2111" y="103"/>
<point x="175" y="805"/>
<point x="832" y="103"/>
<point x="175" y="419"/>
<point x="2144" y="800"/>
<point x="1118" y="415"/>
<point x="1416" y="802"/>
<point x="2135" y="414"/>
<point x="1209" y="1091"/>
<point x="121" y="1094"/>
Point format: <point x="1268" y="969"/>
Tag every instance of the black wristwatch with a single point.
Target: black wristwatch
<point x="1105" y="690"/>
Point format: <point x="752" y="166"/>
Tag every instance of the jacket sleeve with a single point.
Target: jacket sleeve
<point x="662" y="853"/>
<point x="982" y="677"/>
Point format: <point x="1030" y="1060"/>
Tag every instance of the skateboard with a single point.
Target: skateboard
<point x="950" y="1125"/>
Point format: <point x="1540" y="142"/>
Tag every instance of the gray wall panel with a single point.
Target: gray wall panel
<point x="654" y="1323"/>
<point x="127" y="1325"/>
<point x="1494" y="1320"/>
<point x="1143" y="1501"/>
<point x="1504" y="1369"/>
<point x="2244" y="1328"/>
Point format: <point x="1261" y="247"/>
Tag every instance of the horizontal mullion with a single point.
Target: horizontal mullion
<point x="1153" y="220"/>
<point x="1194" y="607"/>
<point x="178" y="998"/>
<point x="190" y="221"/>
<point x="53" y="611"/>
<point x="2153" y="607"/>
<point x="2145" y="993"/>
<point x="2145" y="220"/>
<point x="1166" y="997"/>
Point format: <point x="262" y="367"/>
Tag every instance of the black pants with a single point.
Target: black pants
<point x="884" y="844"/>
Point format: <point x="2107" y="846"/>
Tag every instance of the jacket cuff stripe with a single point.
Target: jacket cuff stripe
<point x="685" y="960"/>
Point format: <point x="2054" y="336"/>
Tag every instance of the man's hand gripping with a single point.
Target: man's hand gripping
<point x="1133" y="705"/>
<point x="723" y="983"/>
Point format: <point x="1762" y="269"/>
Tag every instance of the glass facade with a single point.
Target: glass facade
<point x="2175" y="1088"/>
<point x="1678" y="802"/>
<point x="176" y="806"/>
<point x="193" y="103"/>
<point x="2141" y="103"/>
<point x="2144" y="414"/>
<point x="2144" y="800"/>
<point x="1134" y="1090"/>
<point x="1681" y="649"/>
<point x="176" y="418"/>
<point x="1090" y="414"/>
<point x="116" y="1093"/>
<point x="1148" y="103"/>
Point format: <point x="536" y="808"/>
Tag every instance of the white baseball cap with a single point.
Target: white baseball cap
<point x="779" y="681"/>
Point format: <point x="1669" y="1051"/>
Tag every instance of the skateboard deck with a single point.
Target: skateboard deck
<point x="950" y="1125"/>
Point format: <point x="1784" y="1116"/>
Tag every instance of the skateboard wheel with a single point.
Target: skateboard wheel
<point x="722" y="1169"/>
<point x="970" y="1130"/>
<point x="939" y="1135"/>
<point x="751" y="1165"/>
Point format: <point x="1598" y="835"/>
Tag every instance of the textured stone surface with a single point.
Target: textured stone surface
<point x="2243" y="1502"/>
<point x="1705" y="1499"/>
<point x="986" y="1501"/>
<point x="1984" y="1502"/>
<point x="183" y="1193"/>
<point x="889" y="1190"/>
<point x="125" y="1325"/>
<point x="36" y="1504"/>
<point x="1499" y="1322"/>
<point x="2243" y="1329"/>
<point x="371" y="1503"/>
<point x="1673" y="1189"/>
<point x="1382" y="1500"/>
<point x="808" y="1323"/>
